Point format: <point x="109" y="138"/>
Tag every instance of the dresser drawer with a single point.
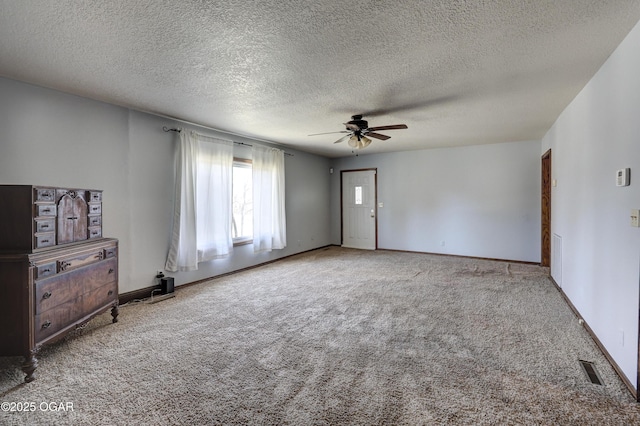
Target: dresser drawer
<point x="46" y="270"/>
<point x="48" y="225"/>
<point x="53" y="320"/>
<point x="45" y="239"/>
<point x="95" y="208"/>
<point x="94" y="221"/>
<point x="95" y="196"/>
<point x="94" y="232"/>
<point x="110" y="252"/>
<point x="56" y="319"/>
<point x="45" y="210"/>
<point x="45" y="194"/>
<point x="80" y="260"/>
<point x="58" y="290"/>
<point x="100" y="296"/>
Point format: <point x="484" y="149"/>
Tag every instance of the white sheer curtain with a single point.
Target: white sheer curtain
<point x="202" y="206"/>
<point x="269" y="221"/>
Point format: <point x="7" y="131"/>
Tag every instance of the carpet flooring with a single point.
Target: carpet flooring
<point x="330" y="337"/>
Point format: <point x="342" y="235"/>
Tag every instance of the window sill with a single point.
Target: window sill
<point x="242" y="242"/>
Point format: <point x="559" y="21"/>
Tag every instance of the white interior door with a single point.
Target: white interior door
<point x="359" y="209"/>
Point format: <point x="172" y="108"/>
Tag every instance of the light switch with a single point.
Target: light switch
<point x="381" y="205"/>
<point x="634" y="217"/>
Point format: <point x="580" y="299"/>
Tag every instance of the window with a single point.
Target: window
<point x="242" y="222"/>
<point x="224" y="201"/>
<point x="358" y="195"/>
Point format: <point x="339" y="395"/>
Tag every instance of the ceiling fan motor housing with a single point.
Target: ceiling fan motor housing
<point x="357" y="120"/>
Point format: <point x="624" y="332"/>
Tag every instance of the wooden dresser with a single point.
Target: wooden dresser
<point x="57" y="270"/>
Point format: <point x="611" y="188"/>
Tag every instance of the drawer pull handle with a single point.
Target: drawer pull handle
<point x="46" y="295"/>
<point x="45" y="241"/>
<point x="46" y="210"/>
<point x="110" y="271"/>
<point x="46" y="270"/>
<point x="46" y="325"/>
<point x="44" y="226"/>
<point x="110" y="293"/>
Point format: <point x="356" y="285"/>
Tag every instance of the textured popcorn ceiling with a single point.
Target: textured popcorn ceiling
<point x="456" y="72"/>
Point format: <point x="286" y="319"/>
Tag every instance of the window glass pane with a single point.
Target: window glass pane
<point x="242" y="225"/>
<point x="358" y="195"/>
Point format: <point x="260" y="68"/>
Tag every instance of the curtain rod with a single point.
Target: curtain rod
<point x="174" y="129"/>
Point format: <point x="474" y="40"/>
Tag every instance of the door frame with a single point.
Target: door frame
<point x="375" y="203"/>
<point x="545" y="209"/>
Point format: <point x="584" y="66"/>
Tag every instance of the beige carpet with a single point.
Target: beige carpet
<point x="333" y="336"/>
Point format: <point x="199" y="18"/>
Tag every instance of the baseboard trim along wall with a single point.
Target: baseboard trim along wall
<point x="604" y="351"/>
<point x="145" y="293"/>
<point x="523" y="262"/>
<point x="139" y="294"/>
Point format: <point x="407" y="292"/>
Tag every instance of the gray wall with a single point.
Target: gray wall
<point x="598" y="261"/>
<point x="307" y="186"/>
<point x="481" y="201"/>
<point x="52" y="138"/>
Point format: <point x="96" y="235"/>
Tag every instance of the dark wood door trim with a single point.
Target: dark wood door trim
<point x="545" y="206"/>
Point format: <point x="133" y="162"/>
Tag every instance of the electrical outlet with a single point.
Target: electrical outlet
<point x="634" y="217"/>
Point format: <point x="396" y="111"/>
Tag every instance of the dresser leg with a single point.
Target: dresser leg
<point x="114" y="313"/>
<point x="29" y="366"/>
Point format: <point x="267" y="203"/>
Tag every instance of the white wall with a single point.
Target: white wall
<point x="52" y="138"/>
<point x="482" y="201"/>
<point x="598" y="133"/>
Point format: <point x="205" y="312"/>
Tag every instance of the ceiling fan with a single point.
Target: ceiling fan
<point x="358" y="132"/>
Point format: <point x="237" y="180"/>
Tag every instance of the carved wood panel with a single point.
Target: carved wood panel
<point x="72" y="218"/>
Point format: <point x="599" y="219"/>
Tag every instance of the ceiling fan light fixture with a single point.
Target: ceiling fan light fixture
<point x="356" y="130"/>
<point x="359" y="142"/>
<point x="353" y="141"/>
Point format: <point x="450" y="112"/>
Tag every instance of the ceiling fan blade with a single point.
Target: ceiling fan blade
<point x="329" y="133"/>
<point x="343" y="138"/>
<point x="392" y="127"/>
<point x="378" y="136"/>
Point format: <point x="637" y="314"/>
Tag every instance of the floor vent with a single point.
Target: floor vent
<point x="591" y="372"/>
